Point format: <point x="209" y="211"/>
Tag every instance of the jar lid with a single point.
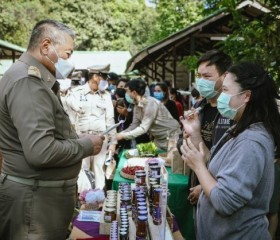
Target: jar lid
<point x="155" y="167"/>
<point x="141" y="208"/>
<point x="157" y="190"/>
<point x="142" y="204"/>
<point x="143" y="212"/>
<point x="141" y="200"/>
<point x="142" y="218"/>
<point x="110" y="205"/>
<point x="109" y="209"/>
<point x="126" y="198"/>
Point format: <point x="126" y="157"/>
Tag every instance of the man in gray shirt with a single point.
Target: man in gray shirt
<point x="42" y="154"/>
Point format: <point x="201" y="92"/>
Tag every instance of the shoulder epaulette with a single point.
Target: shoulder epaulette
<point x="34" y="71"/>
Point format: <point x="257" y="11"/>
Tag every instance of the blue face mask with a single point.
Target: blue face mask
<point x="206" y="88"/>
<point x="224" y="108"/>
<point x="128" y="98"/>
<point x="159" y="95"/>
<point x="111" y="87"/>
<point x="193" y="100"/>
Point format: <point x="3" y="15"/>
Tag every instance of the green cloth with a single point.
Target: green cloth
<point x="177" y="201"/>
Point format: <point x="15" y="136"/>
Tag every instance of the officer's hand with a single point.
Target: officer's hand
<point x="119" y="136"/>
<point x="122" y="110"/>
<point x="97" y="142"/>
<point x="112" y="148"/>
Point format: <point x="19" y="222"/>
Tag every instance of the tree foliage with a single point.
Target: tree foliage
<point x="17" y="19"/>
<point x="131" y="25"/>
<point x="256" y="40"/>
<point x="100" y="24"/>
<point x="175" y="15"/>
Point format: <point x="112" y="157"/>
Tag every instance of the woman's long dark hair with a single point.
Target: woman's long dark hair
<point x="178" y="95"/>
<point x="262" y="106"/>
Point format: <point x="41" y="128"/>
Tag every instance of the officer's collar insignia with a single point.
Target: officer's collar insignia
<point x="142" y="102"/>
<point x="34" y="71"/>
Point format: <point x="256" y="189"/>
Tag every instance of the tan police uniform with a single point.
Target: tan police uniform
<point x="150" y="115"/>
<point x="42" y="154"/>
<point x="95" y="114"/>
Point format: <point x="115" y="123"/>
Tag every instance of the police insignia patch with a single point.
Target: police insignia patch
<point x="34" y="71"/>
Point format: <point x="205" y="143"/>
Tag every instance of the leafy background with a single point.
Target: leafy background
<point x="132" y="25"/>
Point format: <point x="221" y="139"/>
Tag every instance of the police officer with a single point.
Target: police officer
<point x="95" y="115"/>
<point x="41" y="152"/>
<point x="76" y="79"/>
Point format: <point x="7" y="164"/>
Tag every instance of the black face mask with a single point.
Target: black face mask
<point x="120" y="92"/>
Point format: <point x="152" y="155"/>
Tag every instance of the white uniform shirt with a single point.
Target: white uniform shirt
<point x="95" y="109"/>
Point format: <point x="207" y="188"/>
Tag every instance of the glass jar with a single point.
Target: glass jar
<point x="109" y="214"/>
<point x="141" y="230"/>
<point x="123" y="234"/>
<point x="156" y="206"/>
<point x="152" y="162"/>
<point x="126" y="202"/>
<point x="140" y="178"/>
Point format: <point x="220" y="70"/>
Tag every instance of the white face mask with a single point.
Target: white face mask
<point x="103" y="85"/>
<point x="63" y="67"/>
<point x="65" y="84"/>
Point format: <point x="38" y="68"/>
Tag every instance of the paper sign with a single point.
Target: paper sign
<point x="89" y="216"/>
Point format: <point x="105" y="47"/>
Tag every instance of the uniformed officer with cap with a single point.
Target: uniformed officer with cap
<point x="75" y="80"/>
<point x="95" y="114"/>
<point x="42" y="154"/>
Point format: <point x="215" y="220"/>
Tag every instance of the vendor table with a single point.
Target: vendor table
<point x="177" y="201"/>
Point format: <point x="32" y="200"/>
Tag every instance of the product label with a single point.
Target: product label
<point x="157" y="215"/>
<point x="107" y="218"/>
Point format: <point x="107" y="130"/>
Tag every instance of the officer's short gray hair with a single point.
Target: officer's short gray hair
<point x="49" y="29"/>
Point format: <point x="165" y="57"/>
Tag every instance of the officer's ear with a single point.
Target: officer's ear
<point x="45" y="46"/>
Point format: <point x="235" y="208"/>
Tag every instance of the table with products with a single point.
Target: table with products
<point x="177" y="201"/>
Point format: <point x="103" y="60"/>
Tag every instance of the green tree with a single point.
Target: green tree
<point x="17" y="19"/>
<point x="175" y="15"/>
<point x="100" y="24"/>
<point x="256" y="41"/>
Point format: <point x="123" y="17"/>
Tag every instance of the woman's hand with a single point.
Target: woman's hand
<point x="191" y="123"/>
<point x="194" y="194"/>
<point x="195" y="158"/>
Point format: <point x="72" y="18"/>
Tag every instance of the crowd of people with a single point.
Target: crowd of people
<point x="50" y="136"/>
